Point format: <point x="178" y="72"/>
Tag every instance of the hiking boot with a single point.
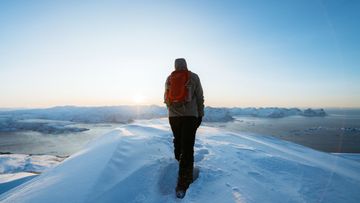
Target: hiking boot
<point x="180" y="193"/>
<point x="181" y="187"/>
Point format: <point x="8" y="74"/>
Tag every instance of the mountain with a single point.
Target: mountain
<point x="9" y="120"/>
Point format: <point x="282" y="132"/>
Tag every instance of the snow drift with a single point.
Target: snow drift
<point x="135" y="164"/>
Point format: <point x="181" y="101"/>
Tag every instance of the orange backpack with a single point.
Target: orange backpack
<point x="177" y="91"/>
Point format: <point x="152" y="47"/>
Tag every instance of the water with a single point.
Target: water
<point x="337" y="132"/>
<point x="31" y="142"/>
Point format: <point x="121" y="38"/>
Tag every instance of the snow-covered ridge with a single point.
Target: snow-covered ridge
<point x="135" y="164"/>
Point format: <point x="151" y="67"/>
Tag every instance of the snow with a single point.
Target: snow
<point x="12" y="163"/>
<point x="135" y="163"/>
<point x="351" y="156"/>
<point x="11" y="180"/>
<point x="9" y="177"/>
<point x="16" y="169"/>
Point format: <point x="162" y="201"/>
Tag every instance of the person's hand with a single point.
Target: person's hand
<point x="199" y="120"/>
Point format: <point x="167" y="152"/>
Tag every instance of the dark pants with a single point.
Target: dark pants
<point x="184" y="130"/>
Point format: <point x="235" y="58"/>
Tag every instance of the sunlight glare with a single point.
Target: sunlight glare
<point x="138" y="98"/>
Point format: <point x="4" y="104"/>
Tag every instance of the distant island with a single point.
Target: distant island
<point x="63" y="116"/>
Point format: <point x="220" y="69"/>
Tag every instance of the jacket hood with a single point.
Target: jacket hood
<point x="180" y="64"/>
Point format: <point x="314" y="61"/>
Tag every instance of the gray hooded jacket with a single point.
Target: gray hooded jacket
<point x="194" y="107"/>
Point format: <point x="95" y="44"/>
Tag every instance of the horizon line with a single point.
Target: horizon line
<point x="142" y="105"/>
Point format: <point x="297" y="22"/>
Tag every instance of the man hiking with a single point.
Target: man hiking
<point x="185" y="102"/>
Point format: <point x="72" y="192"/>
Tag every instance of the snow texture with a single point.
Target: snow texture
<point x="16" y="169"/>
<point x="135" y="163"/>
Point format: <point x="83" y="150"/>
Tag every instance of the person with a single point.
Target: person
<point x="185" y="116"/>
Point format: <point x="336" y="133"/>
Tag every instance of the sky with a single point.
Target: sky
<point x="300" y="53"/>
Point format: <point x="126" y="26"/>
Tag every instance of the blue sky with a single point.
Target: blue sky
<point x="247" y="53"/>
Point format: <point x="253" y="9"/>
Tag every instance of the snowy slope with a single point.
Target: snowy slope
<point x="16" y="169"/>
<point x="134" y="164"/>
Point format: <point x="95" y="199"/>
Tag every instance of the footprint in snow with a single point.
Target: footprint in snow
<point x="200" y="154"/>
<point x="168" y="178"/>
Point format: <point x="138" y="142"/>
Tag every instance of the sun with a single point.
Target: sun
<point x="138" y="98"/>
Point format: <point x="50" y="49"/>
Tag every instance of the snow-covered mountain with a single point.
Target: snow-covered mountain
<point x="135" y="163"/>
<point x="24" y="119"/>
<point x="275" y="112"/>
<point x="101" y="114"/>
